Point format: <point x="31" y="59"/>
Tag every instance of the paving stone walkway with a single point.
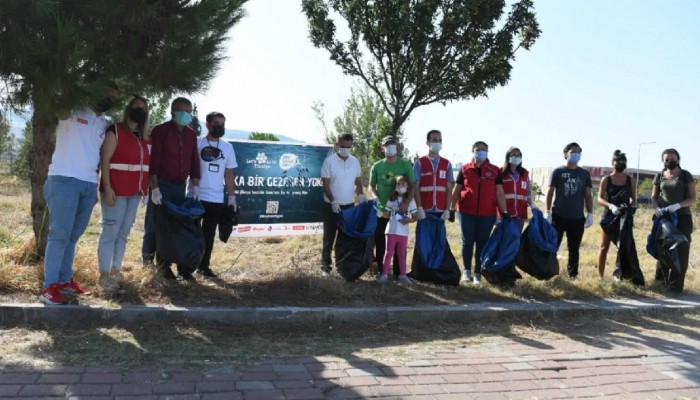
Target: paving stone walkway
<point x="638" y="366"/>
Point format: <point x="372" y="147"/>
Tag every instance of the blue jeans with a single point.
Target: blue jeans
<point x="70" y="202"/>
<point x="116" y="226"/>
<point x="171" y="191"/>
<point x="475" y="230"/>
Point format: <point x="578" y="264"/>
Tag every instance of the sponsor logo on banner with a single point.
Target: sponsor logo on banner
<point x="261" y="161"/>
<point x="298" y="227"/>
<point x="288" y="160"/>
<point x="243" y="228"/>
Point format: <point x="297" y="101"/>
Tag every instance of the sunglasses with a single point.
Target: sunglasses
<point x="209" y="154"/>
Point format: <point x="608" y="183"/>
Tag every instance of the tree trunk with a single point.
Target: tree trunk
<point x="43" y="144"/>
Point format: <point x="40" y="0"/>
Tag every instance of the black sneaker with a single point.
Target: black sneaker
<point x="186" y="277"/>
<point x="207" y="272"/>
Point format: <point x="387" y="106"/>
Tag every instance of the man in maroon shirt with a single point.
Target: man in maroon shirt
<point x="174" y="158"/>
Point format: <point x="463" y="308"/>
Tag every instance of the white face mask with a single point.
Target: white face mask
<point x="515" y="160"/>
<point x="402" y="189"/>
<point x="435" y="147"/>
<point x="390" y="150"/>
<point x="344" y="151"/>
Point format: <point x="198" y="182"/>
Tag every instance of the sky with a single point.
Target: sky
<point x="606" y="74"/>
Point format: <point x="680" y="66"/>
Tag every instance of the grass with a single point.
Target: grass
<point x="285" y="270"/>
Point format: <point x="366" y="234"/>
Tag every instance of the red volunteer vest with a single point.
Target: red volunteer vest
<point x="516" y="194"/>
<point x="478" y="196"/>
<point x="128" y="167"/>
<point x="433" y="183"/>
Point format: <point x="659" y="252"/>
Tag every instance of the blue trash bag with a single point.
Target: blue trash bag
<point x="433" y="260"/>
<point x="354" y="243"/>
<point x="498" y="255"/>
<point x="537" y="255"/>
<point x="179" y="237"/>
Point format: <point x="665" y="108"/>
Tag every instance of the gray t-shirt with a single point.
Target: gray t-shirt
<point x="570" y="191"/>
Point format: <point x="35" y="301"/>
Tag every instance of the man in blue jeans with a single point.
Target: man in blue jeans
<point x="71" y="193"/>
<point x="174" y="157"/>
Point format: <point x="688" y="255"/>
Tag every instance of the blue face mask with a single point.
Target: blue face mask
<point x="182" y="118"/>
<point x="481" y="155"/>
<point x="574" y="158"/>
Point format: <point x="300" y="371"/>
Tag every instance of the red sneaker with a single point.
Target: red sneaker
<point x="52" y="295"/>
<point x="73" y="288"/>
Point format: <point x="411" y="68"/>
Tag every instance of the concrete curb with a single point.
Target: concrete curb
<point x="12" y="313"/>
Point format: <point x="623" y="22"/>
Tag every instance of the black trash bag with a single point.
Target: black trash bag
<point x="433" y="260"/>
<point x="620" y="230"/>
<point x="179" y="237"/>
<point x="664" y="240"/>
<point x="499" y="252"/>
<point x="227" y="220"/>
<point x="354" y="244"/>
<point x="538" y="263"/>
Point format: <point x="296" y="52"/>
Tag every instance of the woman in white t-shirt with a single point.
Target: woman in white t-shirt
<point x="397" y="230"/>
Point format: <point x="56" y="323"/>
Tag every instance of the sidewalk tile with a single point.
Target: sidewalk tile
<point x="215" y="386"/>
<point x="223" y="396"/>
<point x="264" y="395"/>
<point x="368" y="371"/>
<point x="284" y="368"/>
<point x="131" y="389"/>
<point x="254" y="385"/>
<point x="7" y="391"/>
<point x="293" y="384"/>
<point x="43" y="390"/>
<point x="303" y="394"/>
<point x="59" y="378"/>
<point x="91" y="377"/>
<point x="18" y="378"/>
<point x="88" y="389"/>
<point x="174" y="388"/>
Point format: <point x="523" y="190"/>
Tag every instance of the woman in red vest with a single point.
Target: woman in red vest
<point x="475" y="192"/>
<point x="124" y="165"/>
<point x="513" y="188"/>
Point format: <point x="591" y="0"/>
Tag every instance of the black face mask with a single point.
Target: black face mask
<point x="217" y="131"/>
<point x="138" y="115"/>
<point x="671" y="164"/>
<point x="620" y="167"/>
<point x="104" y="104"/>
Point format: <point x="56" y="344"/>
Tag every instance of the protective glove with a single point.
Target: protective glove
<point x="505" y="215"/>
<point x="195" y="190"/>
<point x="589" y="220"/>
<point x="673" y="207"/>
<point x="232" y="202"/>
<point x="380" y="213"/>
<point x="615" y="209"/>
<point x="452" y="216"/>
<point x="659" y="211"/>
<point x="548" y="216"/>
<point x="361" y="198"/>
<point x="156" y="197"/>
<point x="445" y="215"/>
<point x="420" y="213"/>
<point x="335" y="207"/>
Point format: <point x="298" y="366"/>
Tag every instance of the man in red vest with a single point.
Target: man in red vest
<point x="434" y="180"/>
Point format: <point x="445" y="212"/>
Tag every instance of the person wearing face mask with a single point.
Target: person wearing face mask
<point x="124" y="168"/>
<point x="217" y="159"/>
<point x="70" y="192"/>
<point x="673" y="190"/>
<point x="475" y="193"/>
<point x="341" y="176"/>
<point x="513" y="190"/>
<point x="174" y="158"/>
<point x="616" y="193"/>
<point x="572" y="185"/>
<point x="382" y="181"/>
<point x="434" y="180"/>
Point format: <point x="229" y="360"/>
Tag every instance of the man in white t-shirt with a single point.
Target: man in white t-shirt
<point x="70" y="192"/>
<point x="217" y="160"/>
<point x="342" y="179"/>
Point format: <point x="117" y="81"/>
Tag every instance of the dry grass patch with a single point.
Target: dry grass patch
<point x="286" y="271"/>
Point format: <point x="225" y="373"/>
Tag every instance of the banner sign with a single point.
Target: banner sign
<point x="278" y="188"/>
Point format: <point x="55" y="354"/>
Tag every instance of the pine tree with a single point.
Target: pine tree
<point x="57" y="55"/>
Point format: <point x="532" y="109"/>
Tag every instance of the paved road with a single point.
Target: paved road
<point x="632" y="366"/>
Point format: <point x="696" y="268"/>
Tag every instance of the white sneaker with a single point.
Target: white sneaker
<point x="404" y="280"/>
<point x="477" y="279"/>
<point x="466" y="276"/>
<point x="383" y="278"/>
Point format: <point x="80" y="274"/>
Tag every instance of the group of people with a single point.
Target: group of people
<point x="128" y="162"/>
<point x="483" y="193"/>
